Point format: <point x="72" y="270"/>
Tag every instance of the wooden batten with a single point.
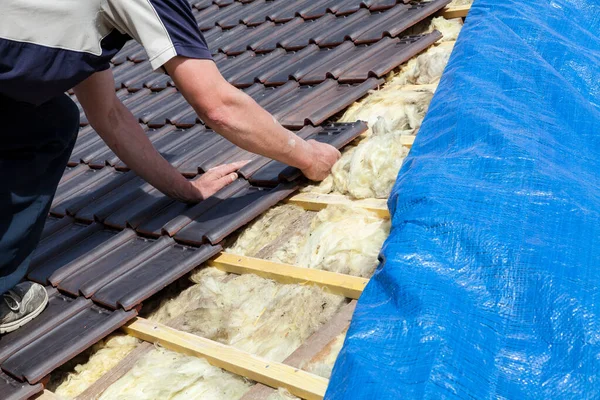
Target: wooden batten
<point x="345" y="285"/>
<point x="317" y="202"/>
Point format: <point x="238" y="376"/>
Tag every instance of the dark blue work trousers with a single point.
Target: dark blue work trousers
<point x="35" y="145"/>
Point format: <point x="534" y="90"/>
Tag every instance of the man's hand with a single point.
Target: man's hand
<point x="324" y="156"/>
<point x="214" y="180"/>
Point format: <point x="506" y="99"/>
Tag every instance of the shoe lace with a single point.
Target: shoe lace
<point x="12" y="300"/>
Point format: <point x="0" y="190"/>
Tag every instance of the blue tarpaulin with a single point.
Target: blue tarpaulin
<point x="489" y="286"/>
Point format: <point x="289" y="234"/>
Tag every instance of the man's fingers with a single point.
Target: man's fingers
<point x="224" y="181"/>
<point x="225" y="169"/>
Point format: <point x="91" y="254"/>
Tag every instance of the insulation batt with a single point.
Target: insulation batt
<point x="105" y="355"/>
<point x="340" y="239"/>
<point x="253" y="314"/>
<point x="401" y="109"/>
<point x="344" y="239"/>
<point x="166" y="375"/>
<point x="460" y="3"/>
<point x="449" y="28"/>
<point x="282" y="394"/>
<point x="426" y="68"/>
<point x="368" y="170"/>
<point x="266" y="229"/>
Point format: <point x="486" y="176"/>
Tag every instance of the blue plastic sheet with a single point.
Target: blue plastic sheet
<point x="490" y="288"/>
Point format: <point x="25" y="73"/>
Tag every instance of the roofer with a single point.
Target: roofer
<point x="49" y="47"/>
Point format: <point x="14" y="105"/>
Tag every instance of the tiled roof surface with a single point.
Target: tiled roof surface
<point x="112" y="240"/>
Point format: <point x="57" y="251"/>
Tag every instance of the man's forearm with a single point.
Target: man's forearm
<point x="242" y="121"/>
<point x="236" y="115"/>
<point x="122" y="133"/>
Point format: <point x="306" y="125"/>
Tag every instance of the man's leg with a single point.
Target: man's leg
<point x="35" y="145"/>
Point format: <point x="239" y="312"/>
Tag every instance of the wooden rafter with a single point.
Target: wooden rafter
<point x="277" y="375"/>
<point x="310" y="349"/>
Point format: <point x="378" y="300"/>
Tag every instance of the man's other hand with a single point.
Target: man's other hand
<point x="214" y="180"/>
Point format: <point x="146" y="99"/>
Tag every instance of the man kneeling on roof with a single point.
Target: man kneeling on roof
<point x="49" y="47"/>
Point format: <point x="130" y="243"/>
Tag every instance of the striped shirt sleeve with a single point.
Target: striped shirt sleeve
<point x="165" y="28"/>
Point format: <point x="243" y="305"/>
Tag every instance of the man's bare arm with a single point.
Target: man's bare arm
<point x="120" y="130"/>
<point x="241" y="120"/>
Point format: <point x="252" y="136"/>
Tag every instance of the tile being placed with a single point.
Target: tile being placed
<point x="12" y="389"/>
<point x="217" y="151"/>
<point x="252" y="167"/>
<point x="273" y="173"/>
<point x="60" y="343"/>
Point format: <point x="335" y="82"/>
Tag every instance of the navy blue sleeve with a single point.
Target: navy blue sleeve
<point x="177" y="17"/>
<point x="166" y="28"/>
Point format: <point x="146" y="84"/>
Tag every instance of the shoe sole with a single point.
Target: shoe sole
<point x="13" y="326"/>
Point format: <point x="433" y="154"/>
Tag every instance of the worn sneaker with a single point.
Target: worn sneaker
<point x="21" y="304"/>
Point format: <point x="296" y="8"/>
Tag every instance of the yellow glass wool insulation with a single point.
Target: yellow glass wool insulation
<point x="401" y="109"/>
<point x="105" y="355"/>
<point x="282" y="394"/>
<point x="287" y="252"/>
<point x="449" y="28"/>
<point x="265" y="230"/>
<point x="368" y="170"/>
<point x="167" y="375"/>
<point x="339" y="238"/>
<point x="344" y="239"/>
<point x="455" y="3"/>
<point x="425" y="68"/>
<point x="253" y="314"/>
